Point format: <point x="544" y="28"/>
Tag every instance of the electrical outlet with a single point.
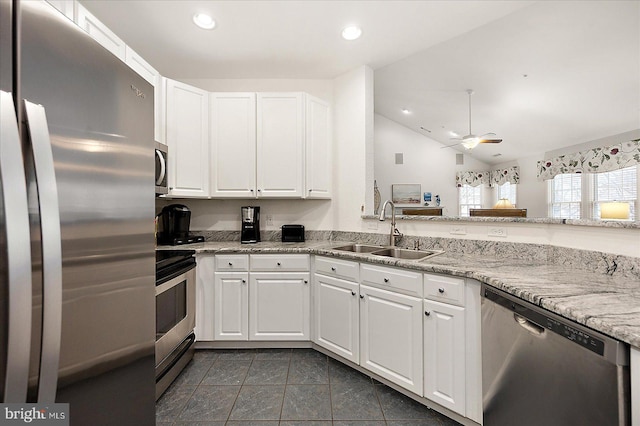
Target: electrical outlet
<point x="372" y="225"/>
<point x="270" y="220"/>
<point x="497" y="232"/>
<point x="458" y="230"/>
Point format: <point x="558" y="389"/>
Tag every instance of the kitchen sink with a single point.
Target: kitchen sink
<point x="399" y="253"/>
<point x="358" y="248"/>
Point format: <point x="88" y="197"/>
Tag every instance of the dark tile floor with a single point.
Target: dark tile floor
<point x="284" y="387"/>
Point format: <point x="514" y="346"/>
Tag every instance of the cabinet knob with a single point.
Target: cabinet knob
<point x="230" y="264"/>
<point x="361" y="296"/>
<point x="279" y="264"/>
<point x="353" y="293"/>
<point x="259" y="190"/>
<point x="251" y="190"/>
<point x="306" y="281"/>
<point x="427" y="313"/>
<point x="310" y="190"/>
<point x="441" y="290"/>
<point x="333" y="268"/>
<point x="244" y="281"/>
<point x="386" y="280"/>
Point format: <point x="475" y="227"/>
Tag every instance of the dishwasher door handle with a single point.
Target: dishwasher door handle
<point x="528" y="325"/>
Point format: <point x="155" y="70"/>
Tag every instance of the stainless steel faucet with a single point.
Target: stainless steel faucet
<point x="394" y="231"/>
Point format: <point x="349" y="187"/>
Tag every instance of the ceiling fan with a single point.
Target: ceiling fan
<point x="470" y="141"/>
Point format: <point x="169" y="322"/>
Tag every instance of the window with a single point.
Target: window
<point x="469" y="197"/>
<point x="565" y="196"/>
<point x="618" y="185"/>
<point x="508" y="191"/>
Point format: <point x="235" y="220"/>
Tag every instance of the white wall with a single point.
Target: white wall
<point x="425" y="162"/>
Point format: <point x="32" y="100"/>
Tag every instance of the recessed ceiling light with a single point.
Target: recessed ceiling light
<point x="405" y="111"/>
<point x="204" y="21"/>
<point x="351" y="33"/>
<point x="453" y="134"/>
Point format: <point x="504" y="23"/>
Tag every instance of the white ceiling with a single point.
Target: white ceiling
<point x="582" y="59"/>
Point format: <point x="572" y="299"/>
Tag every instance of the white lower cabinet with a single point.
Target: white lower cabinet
<point x="231" y="307"/>
<point x="279" y="306"/>
<point x="444" y="355"/>
<point x="204" y="296"/>
<point x="391" y="336"/>
<point x="337" y="316"/>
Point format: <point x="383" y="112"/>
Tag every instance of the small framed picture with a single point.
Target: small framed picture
<point x="406" y="194"/>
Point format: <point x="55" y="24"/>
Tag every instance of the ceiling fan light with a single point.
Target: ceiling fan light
<point x="470" y="143"/>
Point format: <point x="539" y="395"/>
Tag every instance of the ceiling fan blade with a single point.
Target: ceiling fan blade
<point x="485" y="136"/>
<point x="490" y="140"/>
<point x="453" y="144"/>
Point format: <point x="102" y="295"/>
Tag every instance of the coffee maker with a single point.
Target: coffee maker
<point x="250" y="232"/>
<point x="175" y="220"/>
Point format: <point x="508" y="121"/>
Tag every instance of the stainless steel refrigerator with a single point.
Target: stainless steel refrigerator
<point x="77" y="264"/>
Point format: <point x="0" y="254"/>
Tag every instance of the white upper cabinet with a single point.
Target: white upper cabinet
<point x="100" y="32"/>
<point x="233" y="145"/>
<point x="188" y="139"/>
<point x="66" y="7"/>
<point x="280" y="145"/>
<point x="318" y="148"/>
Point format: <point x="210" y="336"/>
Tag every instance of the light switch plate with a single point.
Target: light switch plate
<point x="270" y="219"/>
<point x="495" y="231"/>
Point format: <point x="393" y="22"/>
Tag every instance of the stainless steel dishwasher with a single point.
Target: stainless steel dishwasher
<point x="541" y="369"/>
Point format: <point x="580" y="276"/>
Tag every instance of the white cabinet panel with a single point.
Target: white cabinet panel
<point x="233" y="145"/>
<point x="444" y="289"/>
<point x="188" y="140"/>
<point x="336" y="316"/>
<point x="280" y="145"/>
<point x="232" y="262"/>
<point x="142" y="67"/>
<point x="231" y="305"/>
<point x="103" y="35"/>
<point x="338" y="268"/>
<point x="204" y="297"/>
<point x="279" y="262"/>
<point x="64" y="6"/>
<point x="406" y="281"/>
<point x="444" y="355"/>
<point x="318" y="170"/>
<point x="279" y="306"/>
<point x="391" y="336"/>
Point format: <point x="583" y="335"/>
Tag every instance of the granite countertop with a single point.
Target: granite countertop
<point x="609" y="304"/>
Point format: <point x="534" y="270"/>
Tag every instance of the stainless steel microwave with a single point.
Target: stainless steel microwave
<point x="162" y="185"/>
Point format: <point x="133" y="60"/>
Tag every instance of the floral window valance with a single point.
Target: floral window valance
<point x="596" y="160"/>
<point x="471" y="178"/>
<point x="502" y="176"/>
<point x="493" y="177"/>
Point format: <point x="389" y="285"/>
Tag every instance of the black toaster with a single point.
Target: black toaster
<point x="292" y="233"/>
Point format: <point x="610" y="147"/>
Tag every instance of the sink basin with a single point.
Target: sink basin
<point x="358" y="248"/>
<point x="399" y="253"/>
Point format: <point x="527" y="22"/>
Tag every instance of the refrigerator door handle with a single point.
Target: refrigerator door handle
<point x="18" y="240"/>
<point x="51" y="250"/>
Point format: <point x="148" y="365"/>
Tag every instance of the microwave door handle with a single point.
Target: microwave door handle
<point x="163" y="167"/>
<point x="51" y="250"/>
<point x="18" y="241"/>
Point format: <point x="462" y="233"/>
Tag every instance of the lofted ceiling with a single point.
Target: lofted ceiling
<point x="581" y="58"/>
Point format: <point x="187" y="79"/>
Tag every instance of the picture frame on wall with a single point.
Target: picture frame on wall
<point x="406" y="194"/>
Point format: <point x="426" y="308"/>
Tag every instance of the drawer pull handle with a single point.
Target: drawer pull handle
<point x="279" y="264"/>
<point x="441" y="290"/>
<point x="427" y="313"/>
<point x="353" y="293"/>
<point x="333" y="268"/>
<point x="386" y="280"/>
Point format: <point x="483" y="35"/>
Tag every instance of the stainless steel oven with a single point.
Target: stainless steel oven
<point x="162" y="183"/>
<point x="175" y="314"/>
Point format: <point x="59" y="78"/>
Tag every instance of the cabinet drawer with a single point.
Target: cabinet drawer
<point x="279" y="262"/>
<point x="232" y="262"/>
<point x="338" y="268"/>
<point x="390" y="278"/>
<point x="444" y="289"/>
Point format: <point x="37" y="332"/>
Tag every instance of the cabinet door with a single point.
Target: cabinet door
<point x="336" y="316"/>
<point x="233" y="144"/>
<point x="279" y="306"/>
<point x="318" y="169"/>
<point x="280" y="142"/>
<point x="187" y="137"/>
<point x="204" y="297"/>
<point x="444" y="355"/>
<point x="66" y="7"/>
<point x="231" y="301"/>
<point x="391" y="336"/>
<point x="100" y="32"/>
